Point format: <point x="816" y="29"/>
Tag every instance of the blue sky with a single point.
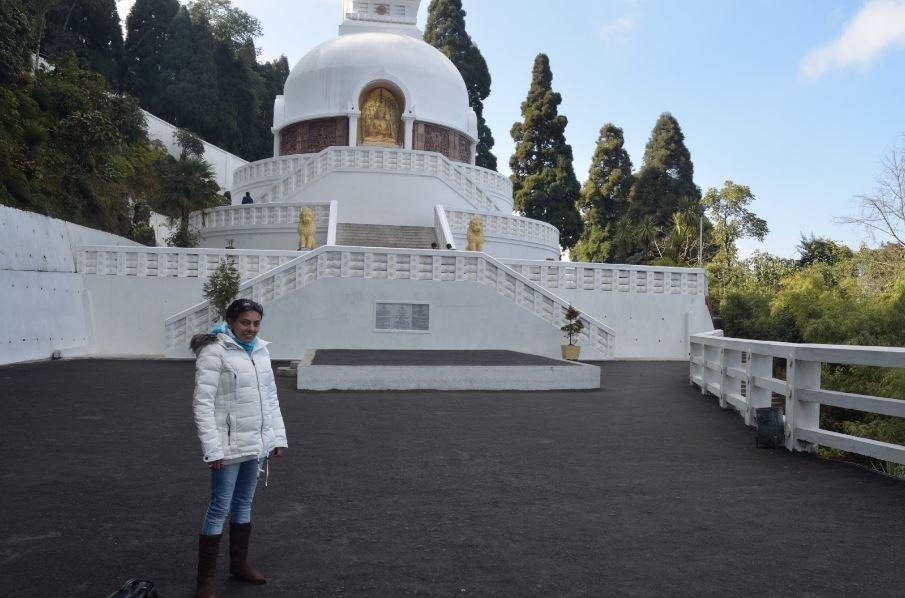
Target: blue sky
<point x="798" y="99"/>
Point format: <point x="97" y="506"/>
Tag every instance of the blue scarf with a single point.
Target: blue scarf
<point x="224" y="329"/>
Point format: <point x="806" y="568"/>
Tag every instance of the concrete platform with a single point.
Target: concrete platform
<point x="334" y="369"/>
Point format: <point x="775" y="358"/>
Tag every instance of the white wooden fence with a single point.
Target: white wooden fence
<point x="717" y="368"/>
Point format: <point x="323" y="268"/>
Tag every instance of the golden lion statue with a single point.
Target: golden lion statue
<point x="307" y="228"/>
<point x="475" y="234"/>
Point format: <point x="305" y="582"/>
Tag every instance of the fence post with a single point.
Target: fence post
<point x="801" y="374"/>
<point x="760" y="366"/>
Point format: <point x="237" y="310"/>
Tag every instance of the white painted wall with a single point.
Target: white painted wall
<point x="38" y="279"/>
<point x="339" y="313"/>
<point x="33" y="242"/>
<point x="648" y="326"/>
<point x="383" y="198"/>
<point x="128" y="312"/>
<point x="46" y="312"/>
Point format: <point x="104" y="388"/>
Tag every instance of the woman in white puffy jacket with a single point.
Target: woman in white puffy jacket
<point x="239" y="424"/>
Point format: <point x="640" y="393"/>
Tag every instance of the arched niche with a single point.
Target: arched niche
<point x="381" y="105"/>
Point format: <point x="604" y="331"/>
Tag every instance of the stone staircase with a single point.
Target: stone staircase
<point x="381" y="235"/>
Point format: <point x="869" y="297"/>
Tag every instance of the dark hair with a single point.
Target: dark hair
<point x="241" y="305"/>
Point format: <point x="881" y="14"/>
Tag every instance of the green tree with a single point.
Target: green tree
<point x="732" y="220"/>
<point x="228" y="24"/>
<point x="604" y="197"/>
<point x="89" y="28"/>
<point x="543" y="181"/>
<point x="146" y="41"/>
<point x="445" y="31"/>
<point x="15" y="40"/>
<point x="189" y="93"/>
<point x="222" y="286"/>
<point x="187" y="186"/>
<point x="273" y="74"/>
<point x="820" y="250"/>
<point x="666" y="177"/>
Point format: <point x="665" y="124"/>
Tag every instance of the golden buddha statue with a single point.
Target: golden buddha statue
<point x="380" y="119"/>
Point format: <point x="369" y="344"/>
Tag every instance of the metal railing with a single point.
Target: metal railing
<point x="717" y="368"/>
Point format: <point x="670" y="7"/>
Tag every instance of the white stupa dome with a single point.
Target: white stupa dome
<point x="329" y="80"/>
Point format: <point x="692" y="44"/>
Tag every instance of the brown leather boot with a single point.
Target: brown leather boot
<point x="239" y="567"/>
<point x="208" y="548"/>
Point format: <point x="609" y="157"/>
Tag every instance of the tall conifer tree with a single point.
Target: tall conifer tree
<point x="15" y="41"/>
<point x="667" y="176"/>
<point x="604" y="197"/>
<point x="146" y="40"/>
<point x="89" y="28"/>
<point x="543" y="180"/>
<point x="189" y="94"/>
<point x="274" y="73"/>
<point x="446" y="31"/>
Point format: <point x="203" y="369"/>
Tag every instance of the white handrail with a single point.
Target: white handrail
<point x="395" y="264"/>
<point x="506" y="226"/>
<point x="244" y="216"/>
<point x="716" y="366"/>
<point x="173" y="262"/>
<point x="352" y="159"/>
<point x="615" y="278"/>
<point x="441" y="226"/>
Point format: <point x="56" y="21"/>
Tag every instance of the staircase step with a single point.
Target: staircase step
<point x="382" y="235"/>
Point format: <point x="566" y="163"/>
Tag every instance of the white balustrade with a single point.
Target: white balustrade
<point x="615" y="278"/>
<point x="170" y="262"/>
<point x="717" y="367"/>
<point x="488" y="179"/>
<point x="274" y="214"/>
<point x="380" y="160"/>
<point x="395" y="264"/>
<point x="505" y="226"/>
<point x="267" y="169"/>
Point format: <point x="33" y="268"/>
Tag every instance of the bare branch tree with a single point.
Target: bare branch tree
<point x="883" y="212"/>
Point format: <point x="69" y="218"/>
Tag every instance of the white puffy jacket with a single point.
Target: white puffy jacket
<point x="237" y="413"/>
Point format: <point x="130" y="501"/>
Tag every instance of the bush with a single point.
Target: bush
<point x="222" y="286"/>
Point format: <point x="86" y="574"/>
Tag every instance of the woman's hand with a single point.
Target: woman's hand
<point x="278" y="452"/>
<point x="216" y="465"/>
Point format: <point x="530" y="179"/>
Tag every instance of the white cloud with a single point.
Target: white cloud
<point x="878" y="26"/>
<point x="618" y="30"/>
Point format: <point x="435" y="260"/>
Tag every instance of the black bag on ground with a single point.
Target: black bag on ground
<point x="136" y="588"/>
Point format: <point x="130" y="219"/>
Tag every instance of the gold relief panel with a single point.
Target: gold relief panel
<point x="381" y="118"/>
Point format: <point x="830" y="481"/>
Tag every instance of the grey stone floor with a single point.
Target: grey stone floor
<point x="643" y="488"/>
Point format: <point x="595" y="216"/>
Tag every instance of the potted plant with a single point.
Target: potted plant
<point x="572" y="328"/>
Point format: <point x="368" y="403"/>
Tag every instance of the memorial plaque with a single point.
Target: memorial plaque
<point x="403" y="316"/>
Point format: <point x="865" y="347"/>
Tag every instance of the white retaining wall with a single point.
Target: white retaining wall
<point x="462" y="316"/>
<point x="652" y="310"/>
<point x="38" y="278"/>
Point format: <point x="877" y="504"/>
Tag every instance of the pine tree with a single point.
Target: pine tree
<point x="146" y="39"/>
<point x="89" y="28"/>
<point x="445" y="31"/>
<point x="667" y="175"/>
<point x="604" y="198"/>
<point x="543" y="180"/>
<point x="274" y="75"/>
<point x="189" y="95"/>
<point x="15" y="40"/>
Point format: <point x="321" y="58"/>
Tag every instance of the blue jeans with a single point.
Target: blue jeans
<point x="232" y="490"/>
